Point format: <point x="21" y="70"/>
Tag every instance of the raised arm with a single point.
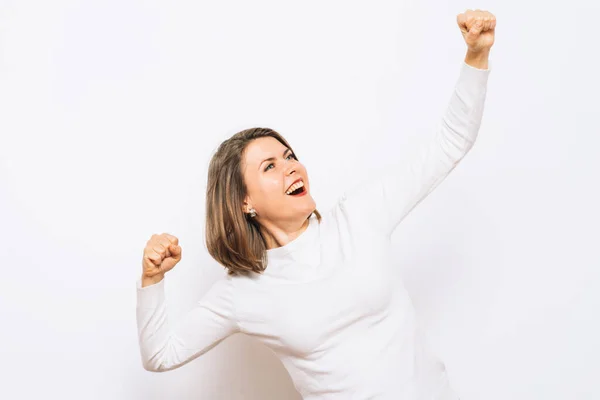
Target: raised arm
<point x="166" y="345"/>
<point x="382" y="203"/>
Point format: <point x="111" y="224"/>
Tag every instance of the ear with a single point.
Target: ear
<point x="247" y="205"/>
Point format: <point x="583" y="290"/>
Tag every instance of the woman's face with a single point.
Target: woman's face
<point x="270" y="168"/>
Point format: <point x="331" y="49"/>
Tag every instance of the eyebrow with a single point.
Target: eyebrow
<point x="272" y="158"/>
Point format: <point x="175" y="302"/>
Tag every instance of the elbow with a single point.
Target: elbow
<point x="159" y="363"/>
<point x="151" y="366"/>
<point x="155" y="363"/>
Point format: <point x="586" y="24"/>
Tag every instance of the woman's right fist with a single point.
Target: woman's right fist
<point x="161" y="254"/>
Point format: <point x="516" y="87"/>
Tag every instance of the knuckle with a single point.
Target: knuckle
<point x="172" y="238"/>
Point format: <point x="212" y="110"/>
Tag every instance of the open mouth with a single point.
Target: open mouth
<point x="298" y="191"/>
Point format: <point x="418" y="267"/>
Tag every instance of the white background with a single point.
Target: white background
<point x="111" y="110"/>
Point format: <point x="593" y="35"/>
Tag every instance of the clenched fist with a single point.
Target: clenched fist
<point x="478" y="28"/>
<point x="161" y="254"/>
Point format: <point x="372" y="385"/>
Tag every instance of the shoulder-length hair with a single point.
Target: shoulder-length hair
<point x="233" y="238"/>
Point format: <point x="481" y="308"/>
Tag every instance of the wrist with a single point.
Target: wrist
<point x="478" y="59"/>
<point x="151" y="280"/>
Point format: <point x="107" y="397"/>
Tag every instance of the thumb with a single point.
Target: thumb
<point x="175" y="250"/>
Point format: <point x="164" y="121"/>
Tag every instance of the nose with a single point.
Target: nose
<point x="291" y="169"/>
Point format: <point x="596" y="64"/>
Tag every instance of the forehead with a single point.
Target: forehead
<point x="261" y="148"/>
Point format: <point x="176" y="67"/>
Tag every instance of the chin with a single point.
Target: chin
<point x="311" y="205"/>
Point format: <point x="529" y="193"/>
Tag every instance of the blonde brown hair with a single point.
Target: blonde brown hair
<point x="233" y="238"/>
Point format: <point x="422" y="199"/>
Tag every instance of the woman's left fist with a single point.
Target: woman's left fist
<point x="477" y="28"/>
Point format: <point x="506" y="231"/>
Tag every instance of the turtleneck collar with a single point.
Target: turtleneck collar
<point x="301" y="253"/>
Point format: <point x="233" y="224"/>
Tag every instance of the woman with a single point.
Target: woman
<point x="314" y="288"/>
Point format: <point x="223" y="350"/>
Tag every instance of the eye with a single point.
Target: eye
<point x="289" y="155"/>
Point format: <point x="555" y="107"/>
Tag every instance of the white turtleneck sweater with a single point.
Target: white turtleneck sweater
<point x="325" y="304"/>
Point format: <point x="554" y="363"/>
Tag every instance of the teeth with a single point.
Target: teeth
<point x="294" y="187"/>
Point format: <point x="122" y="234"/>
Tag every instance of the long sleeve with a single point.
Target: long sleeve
<point x="164" y="345"/>
<point x="382" y="203"/>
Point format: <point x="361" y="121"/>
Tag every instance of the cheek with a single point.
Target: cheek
<point x="264" y="184"/>
<point x="271" y="185"/>
<point x="304" y="173"/>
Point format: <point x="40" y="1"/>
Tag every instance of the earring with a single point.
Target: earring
<point x="252" y="213"/>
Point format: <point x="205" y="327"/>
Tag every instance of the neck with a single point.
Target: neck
<point x="278" y="234"/>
